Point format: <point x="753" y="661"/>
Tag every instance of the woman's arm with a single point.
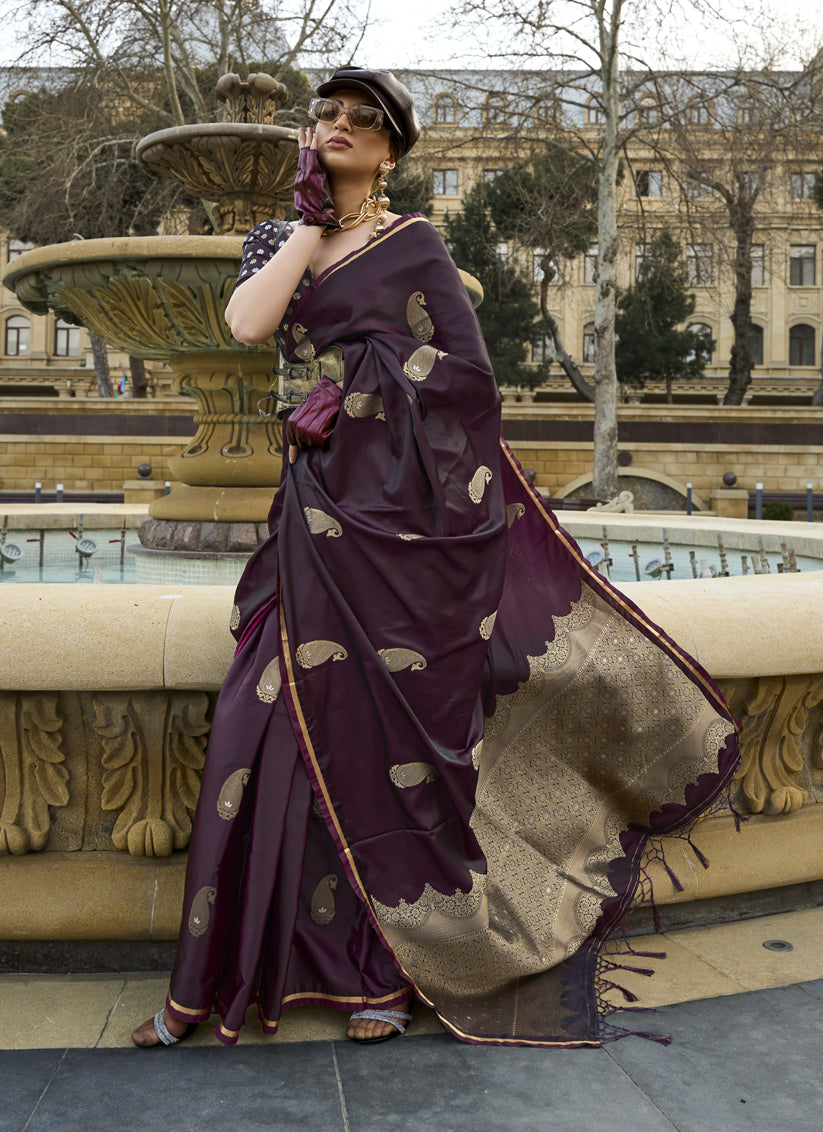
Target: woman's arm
<point x="257" y="307"/>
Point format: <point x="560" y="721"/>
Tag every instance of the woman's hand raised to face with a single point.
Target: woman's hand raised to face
<point x="312" y="193"/>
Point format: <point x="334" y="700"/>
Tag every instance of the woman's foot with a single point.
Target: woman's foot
<point x="147" y="1034"/>
<point x="378" y="1029"/>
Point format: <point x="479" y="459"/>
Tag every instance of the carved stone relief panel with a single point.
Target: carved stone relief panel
<point x="100" y="771"/>
<point x="781" y="741"/>
<point x="33" y="775"/>
<point x="153" y="749"/>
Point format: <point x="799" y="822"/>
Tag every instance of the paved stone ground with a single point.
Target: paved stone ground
<point x="747" y="1062"/>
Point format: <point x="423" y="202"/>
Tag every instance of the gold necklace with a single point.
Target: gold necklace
<point x="374" y="207"/>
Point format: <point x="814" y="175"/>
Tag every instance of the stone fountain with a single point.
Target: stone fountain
<point x="164" y="297"/>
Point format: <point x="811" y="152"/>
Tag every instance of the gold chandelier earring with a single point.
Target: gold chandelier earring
<point x="379" y="197"/>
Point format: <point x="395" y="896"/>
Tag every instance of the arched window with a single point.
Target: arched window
<point x="588" y="342"/>
<point x="648" y="110"/>
<point x="18" y="332"/>
<point x="494" y="110"/>
<point x="756" y="343"/>
<point x="544" y="112"/>
<point x="66" y="339"/>
<point x="445" y="110"/>
<point x="801" y="345"/>
<point x="594" y="113"/>
<point x="699" y="114"/>
<point x="699" y="330"/>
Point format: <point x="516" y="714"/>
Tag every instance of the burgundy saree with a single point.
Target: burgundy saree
<point x="445" y="740"/>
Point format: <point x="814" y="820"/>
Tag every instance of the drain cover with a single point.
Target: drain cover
<point x="778" y="945"/>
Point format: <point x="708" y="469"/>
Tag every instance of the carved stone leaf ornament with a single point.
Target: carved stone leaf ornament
<point x="776" y="733"/>
<point x="33" y="774"/>
<point x="153" y="749"/>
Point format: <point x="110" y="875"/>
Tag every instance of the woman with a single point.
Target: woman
<point x="445" y="740"/>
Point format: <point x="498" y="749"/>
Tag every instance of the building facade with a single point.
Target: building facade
<point x="477" y="123"/>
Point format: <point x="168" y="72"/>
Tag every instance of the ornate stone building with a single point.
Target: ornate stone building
<point x="475" y="123"/>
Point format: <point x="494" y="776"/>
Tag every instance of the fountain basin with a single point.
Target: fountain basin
<point x="107" y="702"/>
<point x="164" y="297"/>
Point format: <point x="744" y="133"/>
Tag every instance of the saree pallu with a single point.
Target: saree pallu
<point x="490" y="731"/>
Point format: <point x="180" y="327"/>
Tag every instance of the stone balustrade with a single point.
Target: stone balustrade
<point x="106" y="705"/>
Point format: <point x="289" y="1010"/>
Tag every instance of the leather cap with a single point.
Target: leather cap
<point x="393" y="98"/>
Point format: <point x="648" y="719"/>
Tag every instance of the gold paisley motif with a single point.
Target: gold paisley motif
<point x="319" y="522"/>
<point x="200" y="913"/>
<point x="421" y="363"/>
<point x="270" y="683"/>
<point x="514" y="511"/>
<point x="303" y="347"/>
<point x="419" y="322"/>
<point x="477" y="751"/>
<point x="234" y="620"/>
<point x="407" y="537"/>
<point x="487" y="625"/>
<point x="453" y="906"/>
<point x="312" y="653"/>
<point x="231" y="794"/>
<point x="398" y="659"/>
<point x="322" y="900"/>
<point x="477" y="484"/>
<point x="412" y="774"/>
<point x="364" y="405"/>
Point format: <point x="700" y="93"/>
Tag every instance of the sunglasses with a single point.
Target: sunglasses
<point x="362" y="116"/>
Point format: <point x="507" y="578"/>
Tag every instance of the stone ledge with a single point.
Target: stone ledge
<point x="80" y="637"/>
<point x="112" y="896"/>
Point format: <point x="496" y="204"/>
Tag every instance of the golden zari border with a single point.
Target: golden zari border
<point x="614" y="595"/>
<point x="368" y="247"/>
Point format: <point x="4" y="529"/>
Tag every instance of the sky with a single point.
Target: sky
<point x="393" y="39"/>
<point x="417" y="33"/>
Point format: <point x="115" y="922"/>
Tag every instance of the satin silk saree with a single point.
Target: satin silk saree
<point x="491" y="732"/>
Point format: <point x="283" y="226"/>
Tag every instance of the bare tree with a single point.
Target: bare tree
<point x="596" y="103"/>
<point x="154" y="53"/>
<point x="727" y="138"/>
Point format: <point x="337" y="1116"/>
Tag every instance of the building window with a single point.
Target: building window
<point x="648" y="111"/>
<point x="544" y="111"/>
<point x="756" y="343"/>
<point x="802" y="265"/>
<point x="650" y="183"/>
<point x="490" y="175"/>
<point x="698" y="186"/>
<point x="18" y="331"/>
<point x="802" y="186"/>
<point x="640" y="253"/>
<point x="698" y="115"/>
<point x="543" y="265"/>
<point x="758" y="265"/>
<point x="700" y="331"/>
<point x="502" y="250"/>
<point x="590" y="265"/>
<point x="700" y="265"/>
<point x="801" y="345"/>
<point x="588" y="342"/>
<point x="542" y="350"/>
<point x="445" y="182"/>
<point x="66" y="340"/>
<point x="16" y="248"/>
<point x="595" y="115"/>
<point x="445" y="110"/>
<point x="494" y="110"/>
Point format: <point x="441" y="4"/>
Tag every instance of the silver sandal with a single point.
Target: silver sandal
<point x="395" y="1018"/>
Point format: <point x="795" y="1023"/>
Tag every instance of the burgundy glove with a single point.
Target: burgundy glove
<point x="311" y="425"/>
<point x="312" y="197"/>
